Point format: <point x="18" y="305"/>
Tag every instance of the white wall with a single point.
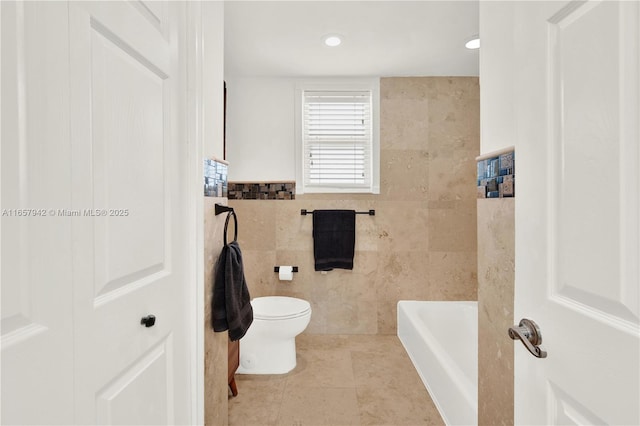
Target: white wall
<point x="213" y="78"/>
<point x="497" y="119"/>
<point x="205" y="76"/>
<point x="261" y="129"/>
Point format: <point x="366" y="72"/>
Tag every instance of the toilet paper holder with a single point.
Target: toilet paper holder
<point x="277" y="269"/>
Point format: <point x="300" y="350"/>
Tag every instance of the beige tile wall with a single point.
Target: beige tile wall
<point x="422" y="242"/>
<point x="216" y="344"/>
<point x="496" y="260"/>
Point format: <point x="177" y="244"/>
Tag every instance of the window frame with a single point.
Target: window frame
<point x="335" y="85"/>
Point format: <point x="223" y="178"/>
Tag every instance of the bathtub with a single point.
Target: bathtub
<point x="441" y="339"/>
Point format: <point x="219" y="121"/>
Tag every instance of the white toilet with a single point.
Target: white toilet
<point x="269" y="347"/>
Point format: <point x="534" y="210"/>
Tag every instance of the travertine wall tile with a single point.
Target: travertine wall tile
<point x="348" y="298"/>
<point x="258" y="271"/>
<point x="406" y="87"/>
<point x="215" y="344"/>
<point x="293" y="229"/>
<point x="452" y="177"/>
<point x="402" y="275"/>
<point x="404" y="174"/>
<point x="496" y="267"/>
<point x="452" y="120"/>
<point x="420" y="245"/>
<point x="453" y="275"/>
<point x="402" y="226"/>
<point x="404" y="125"/>
<point x="255" y="223"/>
<point x="453" y="228"/>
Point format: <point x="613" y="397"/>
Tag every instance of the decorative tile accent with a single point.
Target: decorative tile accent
<point x="215" y="178"/>
<point x="262" y="191"/>
<point x="496" y="176"/>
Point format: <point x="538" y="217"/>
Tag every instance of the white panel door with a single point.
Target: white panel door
<point x="37" y="366"/>
<point x="130" y="257"/>
<point x="577" y="97"/>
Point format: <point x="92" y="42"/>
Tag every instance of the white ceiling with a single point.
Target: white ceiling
<point x="380" y="38"/>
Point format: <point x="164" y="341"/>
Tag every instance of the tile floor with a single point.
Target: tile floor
<point x="339" y="380"/>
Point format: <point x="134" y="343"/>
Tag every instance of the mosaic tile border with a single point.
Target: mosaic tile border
<point x="215" y="177"/>
<point x="496" y="175"/>
<point x="262" y="191"/>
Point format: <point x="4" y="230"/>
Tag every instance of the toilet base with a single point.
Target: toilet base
<point x="261" y="356"/>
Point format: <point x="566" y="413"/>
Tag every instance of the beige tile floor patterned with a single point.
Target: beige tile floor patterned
<point x="339" y="380"/>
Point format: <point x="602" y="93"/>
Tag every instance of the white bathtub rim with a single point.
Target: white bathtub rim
<point x="451" y="370"/>
<point x="450" y="367"/>
<point x="444" y="359"/>
<point x="425" y="382"/>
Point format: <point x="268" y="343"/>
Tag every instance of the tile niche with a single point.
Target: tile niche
<point x="496" y="174"/>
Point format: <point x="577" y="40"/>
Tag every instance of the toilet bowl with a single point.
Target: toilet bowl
<point x="269" y="346"/>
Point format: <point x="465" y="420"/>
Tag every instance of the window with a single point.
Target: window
<point x="338" y="140"/>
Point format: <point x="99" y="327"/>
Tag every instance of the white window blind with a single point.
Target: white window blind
<point x="337" y="139"/>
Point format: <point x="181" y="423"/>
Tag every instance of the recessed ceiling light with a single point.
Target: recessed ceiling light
<point x="332" y="40"/>
<point x="473" y="43"/>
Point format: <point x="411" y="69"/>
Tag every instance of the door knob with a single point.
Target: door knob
<point x="529" y="334"/>
<point x="148" y="321"/>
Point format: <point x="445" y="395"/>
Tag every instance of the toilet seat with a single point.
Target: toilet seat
<point x="279" y="308"/>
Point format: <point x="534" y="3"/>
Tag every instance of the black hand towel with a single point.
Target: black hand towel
<point x="231" y="303"/>
<point x="334" y="239"/>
